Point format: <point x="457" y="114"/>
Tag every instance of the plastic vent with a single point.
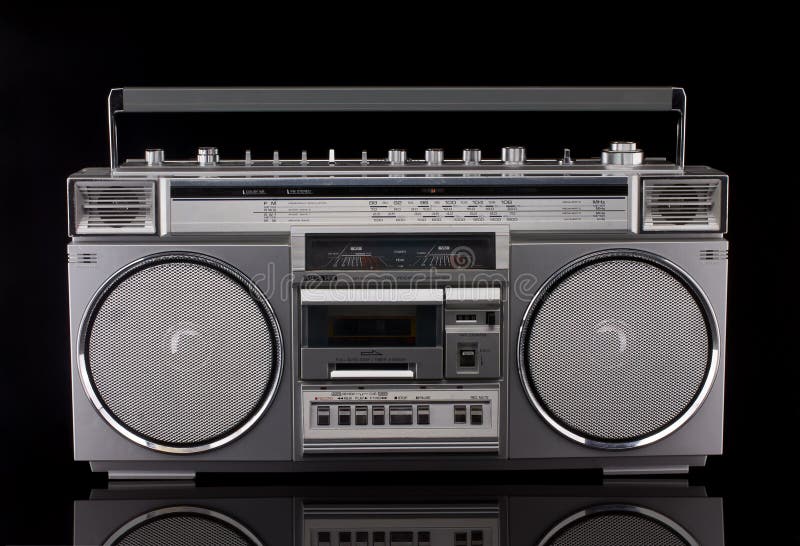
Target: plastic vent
<point x="681" y="205"/>
<point x="114" y="207"/>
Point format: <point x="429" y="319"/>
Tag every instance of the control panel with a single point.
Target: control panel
<point x="374" y="418"/>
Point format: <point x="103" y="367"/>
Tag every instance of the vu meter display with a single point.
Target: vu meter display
<point x="339" y="252"/>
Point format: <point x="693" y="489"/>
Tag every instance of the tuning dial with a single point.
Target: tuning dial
<point x="513" y="155"/>
<point x="472" y="156"/>
<point x="207" y="156"/>
<point x="154" y="157"/>
<point x="622" y="153"/>
<point x="434" y="156"/>
<point x="397" y="157"/>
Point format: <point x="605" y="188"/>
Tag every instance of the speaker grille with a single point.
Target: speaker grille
<point x="617" y="529"/>
<point x="181" y="350"/>
<point x="616" y="347"/>
<point x="183" y="529"/>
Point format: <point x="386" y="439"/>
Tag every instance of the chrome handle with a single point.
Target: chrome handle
<point x="383" y="99"/>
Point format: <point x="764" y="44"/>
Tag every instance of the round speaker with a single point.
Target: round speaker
<point x="617" y="525"/>
<point x="618" y="349"/>
<point x="180" y="352"/>
<point x="182" y="525"/>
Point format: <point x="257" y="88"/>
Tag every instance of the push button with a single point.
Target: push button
<point x="361" y="415"/>
<point x="401" y="415"/>
<point x="475" y="415"/>
<point x="378" y="415"/>
<point x="344" y="415"/>
<point x="323" y="416"/>
<point x="424" y="415"/>
<point x="460" y="415"/>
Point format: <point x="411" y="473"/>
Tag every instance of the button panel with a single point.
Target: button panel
<point x="366" y="418"/>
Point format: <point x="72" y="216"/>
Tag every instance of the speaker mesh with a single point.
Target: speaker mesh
<point x="183" y="530"/>
<point x="616" y="349"/>
<point x="617" y="529"/>
<point x="181" y="350"/>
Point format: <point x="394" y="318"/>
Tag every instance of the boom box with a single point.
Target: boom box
<point x="397" y="313"/>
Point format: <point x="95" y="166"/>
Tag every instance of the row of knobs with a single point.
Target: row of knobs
<point x="619" y="153"/>
<point x="512" y="155"/>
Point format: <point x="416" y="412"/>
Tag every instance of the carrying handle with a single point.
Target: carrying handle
<point x="407" y="99"/>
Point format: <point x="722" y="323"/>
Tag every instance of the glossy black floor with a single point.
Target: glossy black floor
<point x="408" y="509"/>
<point x="57" y="68"/>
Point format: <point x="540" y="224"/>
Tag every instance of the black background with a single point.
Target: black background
<point x="57" y="69"/>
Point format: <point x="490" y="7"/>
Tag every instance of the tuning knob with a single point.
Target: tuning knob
<point x="472" y="156"/>
<point x="622" y="153"/>
<point x="397" y="157"/>
<point x="513" y="155"/>
<point x="207" y="156"/>
<point x="434" y="156"/>
<point x="154" y="157"/>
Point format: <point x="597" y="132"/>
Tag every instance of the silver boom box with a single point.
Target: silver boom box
<point x="401" y="313"/>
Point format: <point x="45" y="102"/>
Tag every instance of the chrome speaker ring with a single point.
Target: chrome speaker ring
<point x="609" y="509"/>
<point x="195" y="258"/>
<point x="213" y="516"/>
<point x="623" y="254"/>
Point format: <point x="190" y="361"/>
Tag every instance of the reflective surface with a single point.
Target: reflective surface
<point x="619" y="513"/>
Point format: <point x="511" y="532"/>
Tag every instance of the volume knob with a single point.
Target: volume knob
<point x="207" y="156"/>
<point x="397" y="157"/>
<point x="513" y="155"/>
<point x="622" y="153"/>
<point x="472" y="156"/>
<point x="434" y="156"/>
<point x="154" y="157"/>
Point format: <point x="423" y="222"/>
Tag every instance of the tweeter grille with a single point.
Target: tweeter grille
<point x="618" y="525"/>
<point x="182" y="525"/>
<point x="618" y="349"/>
<point x="180" y="352"/>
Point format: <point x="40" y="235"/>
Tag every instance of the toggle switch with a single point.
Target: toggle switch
<point x="466" y="358"/>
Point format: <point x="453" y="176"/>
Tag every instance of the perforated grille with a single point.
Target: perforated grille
<point x="181" y="351"/>
<point x="617" y="529"/>
<point x="617" y="349"/>
<point x="183" y="529"/>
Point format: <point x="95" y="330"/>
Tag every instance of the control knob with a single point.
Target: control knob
<point x="472" y="156"/>
<point x="397" y="157"/>
<point x="434" y="156"/>
<point x="622" y="153"/>
<point x="207" y="156"/>
<point x="513" y="155"/>
<point x="154" y="157"/>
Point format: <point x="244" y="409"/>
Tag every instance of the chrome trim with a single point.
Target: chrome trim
<point x="348" y="296"/>
<point x="189" y="510"/>
<point x="710" y="317"/>
<point x="671" y="524"/>
<point x="372" y="374"/>
<point x="86" y="381"/>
